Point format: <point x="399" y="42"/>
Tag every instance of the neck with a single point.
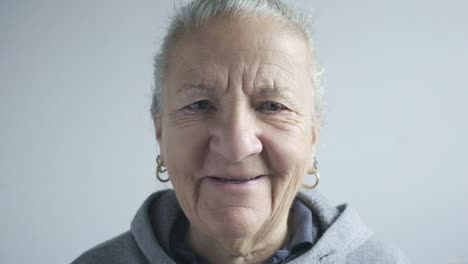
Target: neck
<point x="257" y="248"/>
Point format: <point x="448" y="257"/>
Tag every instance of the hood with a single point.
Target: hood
<point x="342" y="229"/>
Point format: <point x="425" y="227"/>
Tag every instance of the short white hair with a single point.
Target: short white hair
<point x="197" y="13"/>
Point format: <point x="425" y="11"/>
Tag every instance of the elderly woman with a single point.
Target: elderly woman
<point x="237" y="112"/>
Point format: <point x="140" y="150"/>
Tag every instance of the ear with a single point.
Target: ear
<point x="315" y="134"/>
<point x="315" y="139"/>
<point x="315" y="131"/>
<point x="157" y="120"/>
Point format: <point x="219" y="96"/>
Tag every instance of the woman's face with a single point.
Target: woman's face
<point x="236" y="127"/>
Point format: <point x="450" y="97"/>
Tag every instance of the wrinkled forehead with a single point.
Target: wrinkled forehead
<point x="255" y="51"/>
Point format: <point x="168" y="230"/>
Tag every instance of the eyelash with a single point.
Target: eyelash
<point x="278" y="107"/>
<point x="191" y="107"/>
<point x="207" y="106"/>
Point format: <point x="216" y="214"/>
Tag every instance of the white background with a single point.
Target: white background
<point x="77" y="145"/>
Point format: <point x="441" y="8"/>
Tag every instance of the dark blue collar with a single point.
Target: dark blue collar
<point x="304" y="230"/>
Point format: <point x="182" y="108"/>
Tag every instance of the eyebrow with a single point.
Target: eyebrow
<point x="195" y="88"/>
<point x="275" y="92"/>
<point x="261" y="91"/>
<point x="272" y="91"/>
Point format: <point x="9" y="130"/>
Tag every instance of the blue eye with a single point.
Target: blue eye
<point x="202" y="105"/>
<point x="272" y="106"/>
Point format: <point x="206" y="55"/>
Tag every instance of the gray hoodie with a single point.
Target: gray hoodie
<point x="345" y="238"/>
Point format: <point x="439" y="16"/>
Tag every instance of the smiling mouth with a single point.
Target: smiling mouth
<point x="235" y="181"/>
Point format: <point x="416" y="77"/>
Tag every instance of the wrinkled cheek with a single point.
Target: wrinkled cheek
<point x="292" y="167"/>
<point x="184" y="155"/>
<point x="291" y="182"/>
<point x="283" y="195"/>
<point x="297" y="177"/>
<point x="185" y="190"/>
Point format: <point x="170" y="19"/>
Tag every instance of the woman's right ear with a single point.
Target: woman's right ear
<point x="157" y="126"/>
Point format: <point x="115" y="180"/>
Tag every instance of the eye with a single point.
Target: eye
<point x="271" y="106"/>
<point x="202" y="105"/>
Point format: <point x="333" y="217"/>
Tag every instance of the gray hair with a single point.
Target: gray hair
<point x="198" y="13"/>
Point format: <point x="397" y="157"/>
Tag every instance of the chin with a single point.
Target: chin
<point x="237" y="223"/>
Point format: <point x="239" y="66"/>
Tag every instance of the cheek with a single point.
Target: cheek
<point x="288" y="150"/>
<point x="288" y="153"/>
<point x="183" y="151"/>
<point x="184" y="148"/>
<point x="183" y="186"/>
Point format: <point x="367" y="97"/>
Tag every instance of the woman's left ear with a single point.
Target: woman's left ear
<point x="315" y="134"/>
<point x="315" y="137"/>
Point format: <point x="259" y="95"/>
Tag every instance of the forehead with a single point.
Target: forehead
<point x="255" y="50"/>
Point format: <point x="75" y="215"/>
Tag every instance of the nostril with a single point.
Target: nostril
<point x="236" y="145"/>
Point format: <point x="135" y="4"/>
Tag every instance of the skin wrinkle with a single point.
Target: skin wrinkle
<point x="276" y="216"/>
<point x="229" y="82"/>
<point x="247" y="227"/>
<point x="272" y="221"/>
<point x="258" y="81"/>
<point x="195" y="89"/>
<point x="292" y="23"/>
<point x="274" y="92"/>
<point x="245" y="82"/>
<point x="183" y="121"/>
<point x="278" y="76"/>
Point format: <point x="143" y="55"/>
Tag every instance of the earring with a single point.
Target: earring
<point x="160" y="169"/>
<point x="313" y="171"/>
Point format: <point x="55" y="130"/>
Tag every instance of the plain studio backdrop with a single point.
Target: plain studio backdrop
<point x="77" y="146"/>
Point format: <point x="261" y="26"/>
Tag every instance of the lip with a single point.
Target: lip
<point x="240" y="176"/>
<point x="235" y="183"/>
<point x="236" y="178"/>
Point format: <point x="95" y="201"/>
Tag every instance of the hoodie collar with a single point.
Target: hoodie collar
<point x="161" y="208"/>
<point x="343" y="230"/>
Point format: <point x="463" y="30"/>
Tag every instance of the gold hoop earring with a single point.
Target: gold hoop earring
<point x="160" y="169"/>
<point x="314" y="171"/>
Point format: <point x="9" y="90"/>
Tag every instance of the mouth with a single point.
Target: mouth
<point x="235" y="181"/>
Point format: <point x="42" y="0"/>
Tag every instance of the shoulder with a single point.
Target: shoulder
<point x="121" y="249"/>
<point x="376" y="251"/>
<point x="345" y="237"/>
<point x="141" y="244"/>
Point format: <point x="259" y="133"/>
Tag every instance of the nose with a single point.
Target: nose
<point x="236" y="136"/>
